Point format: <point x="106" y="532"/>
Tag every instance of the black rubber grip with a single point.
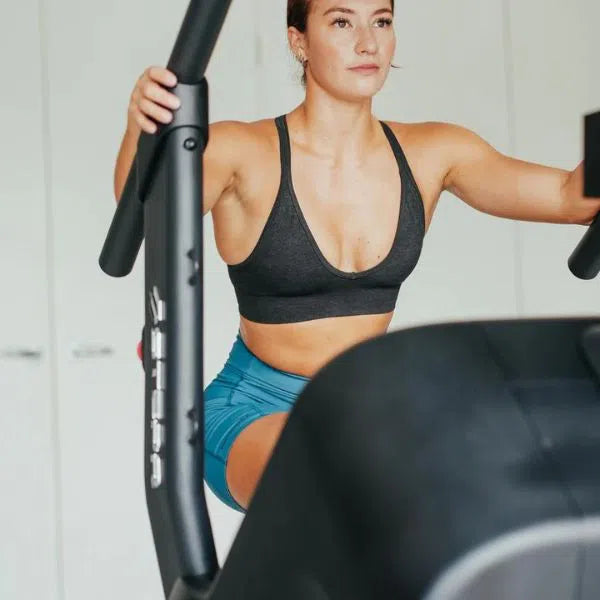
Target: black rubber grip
<point x="585" y="260"/>
<point x="190" y="57"/>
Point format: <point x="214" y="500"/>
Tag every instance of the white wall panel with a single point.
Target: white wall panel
<point x="555" y="56"/>
<point x="29" y="564"/>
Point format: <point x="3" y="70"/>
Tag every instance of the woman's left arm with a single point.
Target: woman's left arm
<point x="507" y="187"/>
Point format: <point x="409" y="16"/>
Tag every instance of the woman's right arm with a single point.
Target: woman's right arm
<point x="151" y="101"/>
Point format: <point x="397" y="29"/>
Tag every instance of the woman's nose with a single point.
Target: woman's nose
<point x="367" y="41"/>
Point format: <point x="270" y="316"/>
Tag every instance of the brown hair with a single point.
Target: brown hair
<point x="297" y="16"/>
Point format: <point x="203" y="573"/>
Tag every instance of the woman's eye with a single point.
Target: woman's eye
<point x="381" y="23"/>
<point x="340" y="20"/>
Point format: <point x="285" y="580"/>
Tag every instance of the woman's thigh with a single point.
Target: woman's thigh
<point x="245" y="409"/>
<point x="250" y="454"/>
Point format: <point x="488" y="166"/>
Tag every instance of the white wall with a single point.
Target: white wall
<point x="555" y="81"/>
<point x="29" y="510"/>
<point x="519" y="73"/>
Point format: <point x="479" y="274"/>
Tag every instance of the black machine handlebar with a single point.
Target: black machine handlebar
<point x="162" y="200"/>
<point x="585" y="260"/>
<point x="189" y="59"/>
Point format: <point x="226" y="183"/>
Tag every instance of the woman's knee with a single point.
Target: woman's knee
<point x="250" y="454"/>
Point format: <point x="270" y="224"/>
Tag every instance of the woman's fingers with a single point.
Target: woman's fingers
<point x="155" y="92"/>
<point x="142" y="121"/>
<point x="151" y="102"/>
<point x="154" y="111"/>
<point x="155" y="80"/>
<point x="162" y="75"/>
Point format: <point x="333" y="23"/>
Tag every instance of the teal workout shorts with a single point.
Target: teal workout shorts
<point x="245" y="390"/>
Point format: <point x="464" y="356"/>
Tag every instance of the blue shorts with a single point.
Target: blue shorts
<point x="246" y="389"/>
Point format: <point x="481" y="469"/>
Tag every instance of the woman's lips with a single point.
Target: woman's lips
<point x="366" y="69"/>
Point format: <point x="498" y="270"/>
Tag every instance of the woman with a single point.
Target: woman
<point x="320" y="218"/>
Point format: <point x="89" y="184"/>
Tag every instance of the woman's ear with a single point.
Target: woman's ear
<point x="297" y="43"/>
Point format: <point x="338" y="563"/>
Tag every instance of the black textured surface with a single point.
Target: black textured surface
<point x="412" y="449"/>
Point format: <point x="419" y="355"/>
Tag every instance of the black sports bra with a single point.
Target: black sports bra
<point x="286" y="278"/>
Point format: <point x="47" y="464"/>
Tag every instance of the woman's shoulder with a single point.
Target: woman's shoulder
<point x="241" y="142"/>
<point x="418" y="130"/>
<point x="431" y="133"/>
<point x="427" y="146"/>
<point x="244" y="132"/>
<point x="434" y="142"/>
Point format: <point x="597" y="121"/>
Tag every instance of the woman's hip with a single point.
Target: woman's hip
<point x="245" y="390"/>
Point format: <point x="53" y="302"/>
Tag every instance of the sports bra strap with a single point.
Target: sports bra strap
<point x="284" y="146"/>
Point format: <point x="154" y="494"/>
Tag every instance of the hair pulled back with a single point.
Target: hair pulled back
<point x="297" y="13"/>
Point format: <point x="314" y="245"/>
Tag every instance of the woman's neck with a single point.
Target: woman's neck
<point x="337" y="130"/>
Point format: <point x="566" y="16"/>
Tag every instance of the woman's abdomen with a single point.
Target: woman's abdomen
<point x="304" y="348"/>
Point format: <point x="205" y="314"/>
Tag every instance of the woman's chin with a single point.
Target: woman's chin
<point x="354" y="89"/>
<point x="363" y="91"/>
<point x="367" y="86"/>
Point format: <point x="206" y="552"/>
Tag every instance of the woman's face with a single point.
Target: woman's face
<point x="342" y="35"/>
